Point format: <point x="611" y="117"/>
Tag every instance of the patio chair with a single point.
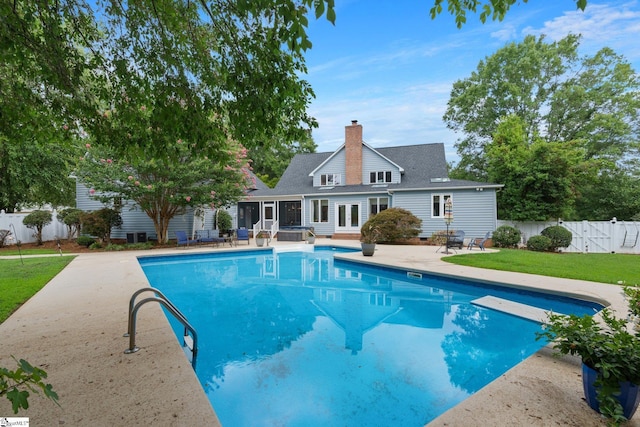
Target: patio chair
<point x="183" y="240"/>
<point x="242" y="234"/>
<point x="479" y="242"/>
<point x="209" y="236"/>
<point x="456" y="240"/>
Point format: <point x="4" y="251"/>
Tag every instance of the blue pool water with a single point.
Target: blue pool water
<point x="301" y="339"/>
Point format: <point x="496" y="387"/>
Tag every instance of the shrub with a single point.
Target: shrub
<point x="37" y="220"/>
<point x="560" y="237"/>
<point x="223" y="220"/>
<point x="506" y="236"/>
<point x="538" y="243"/>
<point x="392" y="225"/>
<point x="71" y="218"/>
<point x="99" y="223"/>
<point x="95" y="245"/>
<point x="85" y="240"/>
<point x="4" y="235"/>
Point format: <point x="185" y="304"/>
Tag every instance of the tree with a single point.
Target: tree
<point x="270" y="161"/>
<point x="165" y="186"/>
<point x="34" y="145"/>
<point x="558" y="95"/>
<point x="37" y="220"/>
<point x="244" y="58"/>
<point x="99" y="223"/>
<point x="496" y="9"/>
<point x="612" y="193"/>
<point x="592" y="103"/>
<point x="539" y="177"/>
<point x="71" y="218"/>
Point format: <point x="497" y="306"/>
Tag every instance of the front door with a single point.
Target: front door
<point x="348" y="217"/>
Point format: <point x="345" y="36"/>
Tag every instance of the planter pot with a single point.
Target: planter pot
<point x="311" y="240"/>
<point x="629" y="393"/>
<point x="260" y="241"/>
<point x="368" y="248"/>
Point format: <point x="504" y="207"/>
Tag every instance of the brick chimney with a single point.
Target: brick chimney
<point x="353" y="150"/>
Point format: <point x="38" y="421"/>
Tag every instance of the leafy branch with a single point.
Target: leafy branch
<point x="17" y="384"/>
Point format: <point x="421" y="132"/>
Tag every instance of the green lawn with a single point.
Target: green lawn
<point x="30" y="251"/>
<point x="20" y="282"/>
<point x="605" y="268"/>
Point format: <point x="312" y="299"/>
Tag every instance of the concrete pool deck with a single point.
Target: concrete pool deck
<point x="73" y="328"/>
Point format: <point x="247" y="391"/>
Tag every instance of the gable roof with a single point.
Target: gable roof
<point x="424" y="165"/>
<point x="343" y="147"/>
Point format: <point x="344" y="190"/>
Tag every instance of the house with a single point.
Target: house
<point x="336" y="192"/>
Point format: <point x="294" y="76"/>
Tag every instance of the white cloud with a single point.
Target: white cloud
<point x="616" y="26"/>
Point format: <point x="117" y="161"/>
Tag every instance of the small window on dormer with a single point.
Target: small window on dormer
<point x="380" y="177"/>
<point x="330" y="179"/>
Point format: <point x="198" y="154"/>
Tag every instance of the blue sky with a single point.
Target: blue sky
<point x="388" y="65"/>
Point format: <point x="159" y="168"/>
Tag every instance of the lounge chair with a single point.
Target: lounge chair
<point x="456" y="240"/>
<point x="242" y="234"/>
<point x="183" y="240"/>
<point x="481" y="243"/>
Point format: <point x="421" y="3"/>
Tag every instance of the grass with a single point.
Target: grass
<point x="604" y="268"/>
<point x="20" y="282"/>
<point x="34" y="251"/>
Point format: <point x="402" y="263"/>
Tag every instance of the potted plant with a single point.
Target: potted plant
<point x="311" y="236"/>
<point x="610" y="356"/>
<point x="261" y="237"/>
<point x="368" y="237"/>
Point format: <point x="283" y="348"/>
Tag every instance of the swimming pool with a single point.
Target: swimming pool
<point x="303" y="339"/>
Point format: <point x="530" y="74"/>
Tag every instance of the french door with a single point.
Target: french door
<point x="348" y="217"/>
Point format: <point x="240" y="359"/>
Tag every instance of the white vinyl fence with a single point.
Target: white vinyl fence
<point x="590" y="236"/>
<point x="13" y="223"/>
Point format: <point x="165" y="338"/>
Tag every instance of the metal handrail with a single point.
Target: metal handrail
<point x="162" y="299"/>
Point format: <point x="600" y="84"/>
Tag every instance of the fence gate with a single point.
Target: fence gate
<point x="590" y="236"/>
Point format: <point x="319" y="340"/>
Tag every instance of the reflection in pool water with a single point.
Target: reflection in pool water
<point x="301" y="339"/>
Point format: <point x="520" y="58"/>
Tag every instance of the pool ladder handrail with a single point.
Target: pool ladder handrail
<point x="188" y="341"/>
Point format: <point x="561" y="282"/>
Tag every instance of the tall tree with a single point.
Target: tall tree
<point x="207" y="71"/>
<point x="165" y="186"/>
<point x="246" y="58"/>
<point x="35" y="146"/>
<point x="540" y="178"/>
<point x="269" y="163"/>
<point x="558" y="95"/>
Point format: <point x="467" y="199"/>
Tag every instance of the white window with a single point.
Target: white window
<point x="437" y="204"/>
<point x="379" y="177"/>
<point x="378" y="204"/>
<point x="320" y="210"/>
<point x="330" y="179"/>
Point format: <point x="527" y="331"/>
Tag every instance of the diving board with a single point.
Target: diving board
<point x="511" y="307"/>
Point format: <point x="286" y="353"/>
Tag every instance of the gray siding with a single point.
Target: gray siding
<point x="373" y="162"/>
<point x="473" y="211"/>
<point x="336" y="165"/>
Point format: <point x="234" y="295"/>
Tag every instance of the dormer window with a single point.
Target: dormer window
<point x="330" y="179"/>
<point x="379" y="177"/>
